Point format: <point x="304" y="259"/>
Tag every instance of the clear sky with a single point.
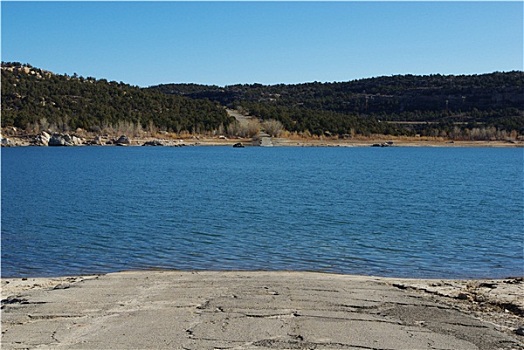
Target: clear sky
<point x="224" y="43"/>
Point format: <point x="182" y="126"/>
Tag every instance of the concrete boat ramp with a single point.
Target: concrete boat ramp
<point x="236" y="310"/>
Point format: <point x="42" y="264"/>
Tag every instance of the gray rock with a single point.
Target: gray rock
<point x="65" y="140"/>
<point x="123" y="140"/>
<point x="153" y="143"/>
<point x="45" y="135"/>
<point x="42" y="139"/>
<point x="68" y="139"/>
<point x="6" y="142"/>
<point x="57" y="140"/>
<point x="77" y="141"/>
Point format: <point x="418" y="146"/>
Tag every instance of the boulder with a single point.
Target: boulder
<point x="42" y="139"/>
<point x="123" y="140"/>
<point x="6" y="142"/>
<point x="153" y="143"/>
<point x="57" y="140"/>
<point x="65" y="140"/>
<point x="77" y="141"/>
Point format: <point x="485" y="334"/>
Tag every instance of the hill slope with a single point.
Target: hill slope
<point x="473" y="107"/>
<point x="404" y="104"/>
<point x="32" y="97"/>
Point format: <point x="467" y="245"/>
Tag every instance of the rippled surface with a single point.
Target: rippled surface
<point x="409" y="212"/>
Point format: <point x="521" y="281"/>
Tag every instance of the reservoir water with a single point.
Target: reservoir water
<point x="405" y="212"/>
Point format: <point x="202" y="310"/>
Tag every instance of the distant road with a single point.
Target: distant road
<point x="242" y="119"/>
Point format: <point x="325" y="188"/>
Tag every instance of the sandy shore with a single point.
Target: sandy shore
<point x="260" y="310"/>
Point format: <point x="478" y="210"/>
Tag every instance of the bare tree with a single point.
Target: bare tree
<point x="272" y="127"/>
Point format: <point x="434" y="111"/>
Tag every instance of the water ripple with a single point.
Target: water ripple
<point x="404" y="212"/>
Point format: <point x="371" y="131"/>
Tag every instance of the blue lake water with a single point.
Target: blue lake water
<point x="406" y="212"/>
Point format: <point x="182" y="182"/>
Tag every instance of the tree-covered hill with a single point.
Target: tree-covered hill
<point x="32" y="97"/>
<point x="487" y="106"/>
<point x="403" y="104"/>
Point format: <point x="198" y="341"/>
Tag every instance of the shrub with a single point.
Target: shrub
<point x="272" y="127"/>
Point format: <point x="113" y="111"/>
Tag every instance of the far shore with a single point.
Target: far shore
<point x="260" y="310"/>
<point x="174" y="140"/>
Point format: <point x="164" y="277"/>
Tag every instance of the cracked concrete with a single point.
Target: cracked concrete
<point x="240" y="310"/>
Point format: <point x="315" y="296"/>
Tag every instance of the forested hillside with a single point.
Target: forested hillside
<point x="474" y="107"/>
<point x="431" y="105"/>
<point x="36" y="99"/>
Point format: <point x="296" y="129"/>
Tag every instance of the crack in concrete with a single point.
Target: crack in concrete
<point x="466" y="325"/>
<point x="51" y="317"/>
<point x="277" y="316"/>
<point x="299" y="343"/>
<point x="352" y="319"/>
<point x="53" y="336"/>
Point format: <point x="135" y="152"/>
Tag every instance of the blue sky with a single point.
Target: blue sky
<point x="224" y="43"/>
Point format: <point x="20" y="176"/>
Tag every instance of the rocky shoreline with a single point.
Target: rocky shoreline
<point x="47" y="139"/>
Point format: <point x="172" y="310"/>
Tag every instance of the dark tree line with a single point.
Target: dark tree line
<point x="31" y="95"/>
<point x="375" y="105"/>
<point x="489" y="105"/>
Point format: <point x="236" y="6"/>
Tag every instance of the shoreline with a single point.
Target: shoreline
<point x="88" y="311"/>
<point x="175" y="141"/>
